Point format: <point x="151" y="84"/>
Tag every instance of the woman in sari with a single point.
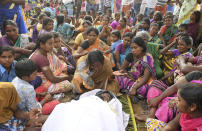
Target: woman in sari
<point x="136" y="81"/>
<point x="122" y="27"/>
<point x="123" y="49"/>
<point x="94" y="71"/>
<point x="105" y="30"/>
<point x="168" y="32"/>
<point x="92" y="42"/>
<point x="51" y="69"/>
<point x="82" y="36"/>
<point x="20" y="42"/>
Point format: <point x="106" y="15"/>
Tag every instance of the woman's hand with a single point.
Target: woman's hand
<point x="133" y="91"/>
<point x="34" y="113"/>
<point x="154" y="102"/>
<point x="48" y="97"/>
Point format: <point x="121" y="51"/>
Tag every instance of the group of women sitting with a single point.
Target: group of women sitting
<point x="147" y="61"/>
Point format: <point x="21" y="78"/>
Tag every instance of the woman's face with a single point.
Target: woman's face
<point x="114" y="38"/>
<point x="153" y="30"/>
<point x="156" y="17"/>
<point x="6" y="59"/>
<point x="95" y="68"/>
<point x="168" y="22"/>
<point x="126" y="41"/>
<point x="105" y="21"/>
<point x="135" y="49"/>
<point x="85" y="26"/>
<point x="49" y="26"/>
<point x="193" y="17"/>
<point x="117" y="17"/>
<point x="11" y="32"/>
<point x="92" y="36"/>
<point x="182" y="46"/>
<point x="181" y="104"/>
<point x="48" y="46"/>
<point x="145" y="25"/>
<point x="122" y="23"/>
<point x="57" y="43"/>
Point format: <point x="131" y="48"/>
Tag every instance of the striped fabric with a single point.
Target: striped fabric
<point x="161" y="2"/>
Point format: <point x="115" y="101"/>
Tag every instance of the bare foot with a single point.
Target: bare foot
<point x="141" y="117"/>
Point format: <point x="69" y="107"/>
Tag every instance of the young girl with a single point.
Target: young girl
<point x="7" y="64"/>
<point x="190" y="108"/>
<point x="115" y="23"/>
<point x="123" y="49"/>
<point x="37" y="27"/>
<point x="116" y="40"/>
<point x="64" y="29"/>
<point x="47" y="26"/>
<point x="63" y="53"/>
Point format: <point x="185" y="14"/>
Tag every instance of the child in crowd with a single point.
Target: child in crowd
<point x="63" y="53"/>
<point x="153" y="31"/>
<point x="144" y="26"/>
<point x="123" y="49"/>
<point x="116" y="40"/>
<point x="7" y="64"/>
<point x="47" y="25"/>
<point x="189" y="106"/>
<point x="37" y="27"/>
<point x="115" y="23"/>
<point x="26" y="71"/>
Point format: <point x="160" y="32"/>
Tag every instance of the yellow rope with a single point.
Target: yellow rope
<point x="132" y="114"/>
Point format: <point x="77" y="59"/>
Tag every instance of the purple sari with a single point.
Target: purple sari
<point x="137" y="71"/>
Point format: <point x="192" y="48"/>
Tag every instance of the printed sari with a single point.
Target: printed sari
<point x="58" y="68"/>
<point x="168" y="33"/>
<point x="83" y="82"/>
<point x="137" y="71"/>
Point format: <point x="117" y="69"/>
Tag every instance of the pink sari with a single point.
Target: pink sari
<point x="59" y="68"/>
<point x="190" y="124"/>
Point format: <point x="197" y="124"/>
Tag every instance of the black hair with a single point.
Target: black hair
<point x="47" y="4"/>
<point x="92" y="29"/>
<point x="87" y="22"/>
<point x="191" y="93"/>
<point x="106" y="16"/>
<point x="42" y="15"/>
<point x="99" y="93"/>
<point x="46" y="21"/>
<point x="154" y="24"/>
<point x="55" y="34"/>
<point x="89" y="18"/>
<point x="140" y="42"/>
<point x="197" y="15"/>
<point x="124" y="19"/>
<point x="6" y="48"/>
<point x="140" y="15"/>
<point x="151" y="13"/>
<point x="117" y="13"/>
<point x="47" y="13"/>
<point x="169" y="13"/>
<point x="168" y="17"/>
<point x="109" y="10"/>
<point x="117" y="34"/>
<point x="186" y="39"/>
<point x="37" y="8"/>
<point x="60" y="19"/>
<point x="128" y="34"/>
<point x="146" y="20"/>
<point x="95" y="56"/>
<point x="42" y="39"/>
<point x="83" y="12"/>
<point x="25" y="67"/>
<point x="185" y="26"/>
<point x="9" y="22"/>
<point x="159" y="15"/>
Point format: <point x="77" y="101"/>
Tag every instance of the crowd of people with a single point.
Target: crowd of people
<point x="147" y="49"/>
